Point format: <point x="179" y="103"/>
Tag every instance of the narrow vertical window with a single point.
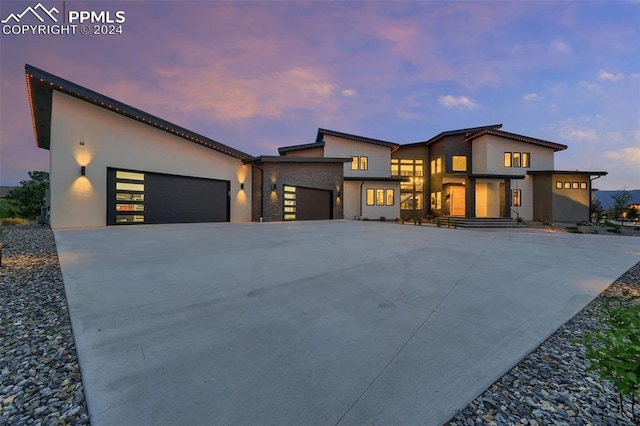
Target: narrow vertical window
<point x="507" y="159"/>
<point x="433" y="167"/>
<point x="370" y="196"/>
<point x="379" y="197"/>
<point x="395" y="170"/>
<point x="438" y="165"/>
<point x="438" y="200"/>
<point x="354" y="163"/>
<point x="390" y="197"/>
<point x="364" y="163"/>
<point x="517" y="197"/>
<point x="526" y="159"/>
<point x="516" y="159"/>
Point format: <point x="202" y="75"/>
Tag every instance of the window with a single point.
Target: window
<point x="125" y="186"/>
<point x="583" y="185"/>
<point x="516" y="159"/>
<point x="136" y="218"/>
<point x="359" y="163"/>
<point x="390" y="197"/>
<point x="380" y="197"/>
<point x="517" y="193"/>
<point x="370" y="196"/>
<point x="438" y="165"/>
<point x="526" y="159"/>
<point x="121" y="196"/>
<point x="395" y="170"/>
<point x="120" y="174"/>
<point x="575" y="185"/>
<point x="129" y="207"/>
<point x="289" y="202"/>
<point x="438" y="200"/>
<point x="129" y="197"/>
<point x="559" y="184"/>
<point x="433" y="167"/>
<point x="459" y="163"/>
<point x="507" y="159"/>
<point x="567" y="185"/>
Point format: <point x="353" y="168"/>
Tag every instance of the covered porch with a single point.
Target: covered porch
<point x="478" y="196"/>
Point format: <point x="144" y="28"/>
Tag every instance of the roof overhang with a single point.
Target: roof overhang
<point x="566" y="172"/>
<point x="322" y="132"/>
<point x="494" y="176"/>
<point x="516" y="137"/>
<point x="281" y="159"/>
<point x="40" y="87"/>
<point x="285" y="149"/>
<point x="378" y="179"/>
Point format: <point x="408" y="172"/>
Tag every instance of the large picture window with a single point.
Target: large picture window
<point x="459" y="163"/>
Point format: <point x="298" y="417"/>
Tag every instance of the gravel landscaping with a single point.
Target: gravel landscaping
<point x="40" y="380"/>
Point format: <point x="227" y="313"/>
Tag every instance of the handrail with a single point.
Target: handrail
<point x="517" y="216"/>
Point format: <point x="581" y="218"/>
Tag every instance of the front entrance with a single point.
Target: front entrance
<point x="457" y="196"/>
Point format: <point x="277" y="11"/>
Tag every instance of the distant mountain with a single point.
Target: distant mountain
<point x="607" y="202"/>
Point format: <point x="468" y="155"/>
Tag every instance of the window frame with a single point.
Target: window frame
<point x="453" y="163"/>
<point x="508" y="159"/>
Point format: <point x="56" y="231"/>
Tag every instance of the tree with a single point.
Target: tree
<point x="620" y="202"/>
<point x="632" y="213"/>
<point x="596" y="210"/>
<point x="28" y="198"/>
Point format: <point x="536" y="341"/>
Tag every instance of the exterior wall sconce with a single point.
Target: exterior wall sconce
<point x="274" y="187"/>
<point x="83" y="170"/>
<point x="242" y="185"/>
<point x="338" y="196"/>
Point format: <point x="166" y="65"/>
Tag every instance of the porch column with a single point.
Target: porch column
<point x="507" y="198"/>
<point x="470" y="197"/>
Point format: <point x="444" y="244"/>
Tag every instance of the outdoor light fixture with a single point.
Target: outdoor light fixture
<point x="83" y="170"/>
<point x="338" y="194"/>
<point x="242" y="185"/>
<point x="273" y="187"/>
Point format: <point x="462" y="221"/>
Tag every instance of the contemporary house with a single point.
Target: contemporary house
<point x="113" y="164"/>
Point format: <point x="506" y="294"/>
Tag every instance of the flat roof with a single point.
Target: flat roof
<point x="41" y="84"/>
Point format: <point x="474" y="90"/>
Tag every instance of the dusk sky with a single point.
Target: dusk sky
<point x="260" y="75"/>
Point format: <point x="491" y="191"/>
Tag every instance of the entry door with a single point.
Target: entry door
<point x="457" y="200"/>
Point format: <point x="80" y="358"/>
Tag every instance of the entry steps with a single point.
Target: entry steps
<point x="477" y="222"/>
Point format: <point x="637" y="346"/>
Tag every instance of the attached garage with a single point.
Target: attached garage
<point x="144" y="197"/>
<point x="307" y="203"/>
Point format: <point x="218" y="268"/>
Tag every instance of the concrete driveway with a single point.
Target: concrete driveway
<point x="316" y="323"/>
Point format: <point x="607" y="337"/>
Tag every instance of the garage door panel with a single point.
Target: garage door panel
<point x="313" y="204"/>
<point x="169" y="199"/>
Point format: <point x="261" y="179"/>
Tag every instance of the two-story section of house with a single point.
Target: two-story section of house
<point x="369" y="189"/>
<point x="484" y="172"/>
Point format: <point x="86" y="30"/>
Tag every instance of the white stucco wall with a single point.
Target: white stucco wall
<point x="375" y="212"/>
<point x="378" y="156"/>
<point x="111" y="140"/>
<point x="350" y="199"/>
<point x="488" y="156"/>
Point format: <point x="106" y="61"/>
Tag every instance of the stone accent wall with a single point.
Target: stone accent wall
<point x="327" y="176"/>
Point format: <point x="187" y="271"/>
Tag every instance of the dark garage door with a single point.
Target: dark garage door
<point x="143" y="197"/>
<point x="313" y="204"/>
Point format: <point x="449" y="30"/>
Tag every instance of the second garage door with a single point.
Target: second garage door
<point x="308" y="203"/>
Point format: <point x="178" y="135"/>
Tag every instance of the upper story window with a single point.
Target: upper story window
<point x="459" y="163"/>
<point x="517" y="159"/>
<point x="359" y="163"/>
<point x="407" y="167"/>
<point x="436" y="166"/>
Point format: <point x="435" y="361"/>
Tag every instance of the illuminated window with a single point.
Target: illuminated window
<point x="438" y="200"/>
<point x="419" y="169"/>
<point x="567" y="185"/>
<point x="516" y="159"/>
<point x="130" y="218"/>
<point x="575" y="185"/>
<point x="129" y="207"/>
<point x="370" y="196"/>
<point x="289" y="202"/>
<point x="559" y="184"/>
<point x="526" y="159"/>
<point x="379" y="197"/>
<point x="459" y="163"/>
<point x="433" y="167"/>
<point x="395" y="170"/>
<point x="438" y="165"/>
<point x="359" y="163"/>
<point x="583" y="185"/>
<point x="406" y="169"/>
<point x="507" y="159"/>
<point x="517" y="193"/>
<point x="125" y="186"/>
<point x="120" y="174"/>
<point x="122" y="196"/>
<point x="390" y="197"/>
<point x="364" y="163"/>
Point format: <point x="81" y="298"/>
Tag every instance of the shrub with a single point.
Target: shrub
<point x="573" y="229"/>
<point x="547" y="223"/>
<point x="364" y="218"/>
<point x="11" y="221"/>
<point x="614" y="351"/>
<point x="383" y="219"/>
